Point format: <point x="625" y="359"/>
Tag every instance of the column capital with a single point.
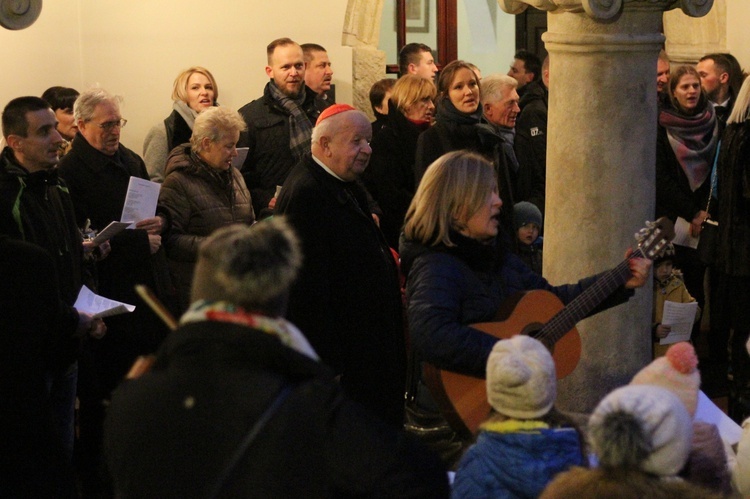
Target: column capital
<point x="607" y="9"/>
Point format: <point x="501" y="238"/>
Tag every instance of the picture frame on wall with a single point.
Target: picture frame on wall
<point x="417" y="16"/>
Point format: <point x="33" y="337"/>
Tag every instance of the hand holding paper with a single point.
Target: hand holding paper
<point x="99" y="306"/>
<point x="680" y="318"/>
<point x="141" y="200"/>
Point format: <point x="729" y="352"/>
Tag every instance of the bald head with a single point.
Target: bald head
<point x="342" y="143"/>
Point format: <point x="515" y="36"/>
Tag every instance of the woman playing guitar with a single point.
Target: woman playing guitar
<point x="459" y="270"/>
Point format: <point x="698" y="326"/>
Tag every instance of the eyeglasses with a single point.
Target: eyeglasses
<point x="109" y="125"/>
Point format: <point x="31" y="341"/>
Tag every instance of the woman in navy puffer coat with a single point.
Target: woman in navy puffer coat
<point x="459" y="271"/>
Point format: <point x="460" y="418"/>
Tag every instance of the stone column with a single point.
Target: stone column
<point x="600" y="168"/>
<point x="362" y="33"/>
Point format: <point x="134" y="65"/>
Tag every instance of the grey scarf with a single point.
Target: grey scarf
<point x="300" y="126"/>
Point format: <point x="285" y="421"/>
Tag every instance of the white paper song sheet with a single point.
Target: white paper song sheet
<point x="680" y="316"/>
<point x="238" y="161"/>
<point x="99" y="306"/>
<point x="682" y="235"/>
<point x="140" y="202"/>
<point x="707" y="411"/>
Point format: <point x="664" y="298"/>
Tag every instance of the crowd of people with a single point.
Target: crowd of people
<point x="317" y="264"/>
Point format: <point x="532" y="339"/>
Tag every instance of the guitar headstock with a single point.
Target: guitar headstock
<point x="654" y="237"/>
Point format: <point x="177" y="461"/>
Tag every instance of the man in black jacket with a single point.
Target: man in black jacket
<point x="279" y="124"/>
<point x="347" y="298"/>
<point x="35" y="207"/>
<point x="238" y="404"/>
<point x="98" y="170"/>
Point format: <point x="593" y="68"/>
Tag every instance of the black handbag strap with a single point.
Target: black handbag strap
<point x="247" y="441"/>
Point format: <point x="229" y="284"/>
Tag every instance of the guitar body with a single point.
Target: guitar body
<point x="463" y="399"/>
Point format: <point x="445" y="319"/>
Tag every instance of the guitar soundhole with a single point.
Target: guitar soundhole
<point x="533" y="330"/>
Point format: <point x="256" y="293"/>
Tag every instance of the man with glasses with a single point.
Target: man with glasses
<point x="98" y="170"/>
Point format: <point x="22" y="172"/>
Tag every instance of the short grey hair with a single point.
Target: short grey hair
<point x="252" y="267"/>
<point x="86" y="103"/>
<point x="493" y="86"/>
<point x="214" y="123"/>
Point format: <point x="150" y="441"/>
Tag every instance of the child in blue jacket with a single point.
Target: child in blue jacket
<point x="525" y="442"/>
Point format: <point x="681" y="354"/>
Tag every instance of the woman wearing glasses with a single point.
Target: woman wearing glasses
<point x="194" y="90"/>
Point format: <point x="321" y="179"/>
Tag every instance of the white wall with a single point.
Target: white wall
<point x="738" y="35"/>
<point x="42" y="55"/>
<point x="135" y="48"/>
<point x="486" y="35"/>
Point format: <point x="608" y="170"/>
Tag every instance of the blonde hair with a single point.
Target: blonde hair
<point x="741" y="109"/>
<point x="410" y="89"/>
<point x="453" y="188"/>
<point x="179" y="89"/>
<point x="214" y="123"/>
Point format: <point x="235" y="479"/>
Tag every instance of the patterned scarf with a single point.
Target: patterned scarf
<point x="693" y="140"/>
<point x="300" y="126"/>
<point x="287" y="332"/>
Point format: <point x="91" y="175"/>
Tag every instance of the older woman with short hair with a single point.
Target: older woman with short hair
<point x="194" y="90"/>
<point x="203" y="191"/>
<point x="390" y="174"/>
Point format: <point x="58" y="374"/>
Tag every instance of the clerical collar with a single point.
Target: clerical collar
<point x="328" y="170"/>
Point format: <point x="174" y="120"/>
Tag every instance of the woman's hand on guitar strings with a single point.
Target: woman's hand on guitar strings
<point x="640" y="268"/>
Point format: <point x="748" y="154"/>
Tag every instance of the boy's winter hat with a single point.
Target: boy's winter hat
<point x="641" y="427"/>
<point x="667" y="255"/>
<point x="677" y="371"/>
<point x="524" y="213"/>
<point x="521" y="379"/>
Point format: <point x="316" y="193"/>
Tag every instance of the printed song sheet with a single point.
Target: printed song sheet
<point x="110" y="231"/>
<point x="140" y="201"/>
<point x="99" y="306"/>
<point x="241" y="156"/>
<point x="682" y="234"/>
<point x="680" y="316"/>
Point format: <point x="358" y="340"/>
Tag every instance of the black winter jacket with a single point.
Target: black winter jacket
<point x="269" y="157"/>
<point x="390" y="175"/>
<point x="733" y="250"/>
<point x="98" y="185"/>
<point x="673" y="195"/>
<point x="347" y="298"/>
<point x="172" y="431"/>
<point x="36" y="207"/>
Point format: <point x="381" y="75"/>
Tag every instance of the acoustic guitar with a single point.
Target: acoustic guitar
<point x="540" y="314"/>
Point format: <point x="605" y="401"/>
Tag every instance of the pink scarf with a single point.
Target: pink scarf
<point x="693" y="140"/>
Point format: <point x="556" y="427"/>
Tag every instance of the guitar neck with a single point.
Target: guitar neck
<point x="582" y="305"/>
